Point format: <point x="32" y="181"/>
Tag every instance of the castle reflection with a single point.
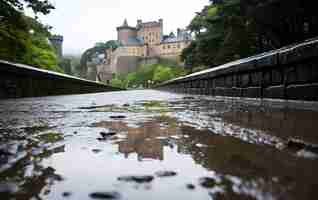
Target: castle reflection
<point x="146" y="139"/>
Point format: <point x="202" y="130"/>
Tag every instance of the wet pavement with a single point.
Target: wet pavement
<point x="148" y="144"/>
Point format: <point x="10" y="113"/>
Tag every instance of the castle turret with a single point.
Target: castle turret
<point x="139" y="23"/>
<point x="57" y="43"/>
<point x="125" y="32"/>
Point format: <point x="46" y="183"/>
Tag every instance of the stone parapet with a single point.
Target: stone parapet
<point x="289" y="73"/>
<point x="18" y="80"/>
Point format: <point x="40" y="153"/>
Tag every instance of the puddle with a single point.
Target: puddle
<point x="166" y="146"/>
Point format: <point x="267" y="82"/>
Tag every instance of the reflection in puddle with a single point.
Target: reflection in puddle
<point x="165" y="147"/>
<point x="143" y="140"/>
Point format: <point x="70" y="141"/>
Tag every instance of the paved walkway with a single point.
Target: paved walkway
<point x="154" y="145"/>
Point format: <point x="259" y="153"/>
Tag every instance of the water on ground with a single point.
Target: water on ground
<point x="154" y="145"/>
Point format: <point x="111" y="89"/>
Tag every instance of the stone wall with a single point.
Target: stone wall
<point x="18" y="80"/>
<point x="287" y="73"/>
<point x="148" y="61"/>
<point x="126" y="64"/>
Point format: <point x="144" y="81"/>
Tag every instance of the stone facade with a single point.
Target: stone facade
<point x="143" y="42"/>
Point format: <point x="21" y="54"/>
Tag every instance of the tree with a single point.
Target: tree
<point x="162" y="74"/>
<point x="222" y="33"/>
<point x="24" y="39"/>
<point x="89" y="54"/>
<point x="146" y="74"/>
<point x="37" y="6"/>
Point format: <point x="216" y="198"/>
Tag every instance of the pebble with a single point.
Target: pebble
<point x="301" y="146"/>
<point x="280" y="145"/>
<point x="66" y="194"/>
<point x="307" y="154"/>
<point x="166" y="173"/>
<point x="117" y="117"/>
<point x="190" y="186"/>
<point x="137" y="179"/>
<point x="201" y="145"/>
<point x="295" y="144"/>
<point x="105" y="195"/>
<point x="207" y="182"/>
<point x="96" y="150"/>
<point x="176" y="137"/>
<point x="188" y="98"/>
<point x="107" y="134"/>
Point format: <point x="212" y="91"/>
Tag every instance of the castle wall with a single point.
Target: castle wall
<point x="125" y="34"/>
<point x="131" y="51"/>
<point x="104" y="73"/>
<point x="126" y="64"/>
<point x="149" y="61"/>
<point x="173" y="48"/>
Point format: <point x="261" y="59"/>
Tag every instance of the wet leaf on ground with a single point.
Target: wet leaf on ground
<point x="166" y="173"/>
<point x="137" y="179"/>
<point x="105" y="195"/>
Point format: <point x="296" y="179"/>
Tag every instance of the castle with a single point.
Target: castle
<point x="143" y="44"/>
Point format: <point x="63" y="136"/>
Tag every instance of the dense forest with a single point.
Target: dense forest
<point x="24" y="39"/>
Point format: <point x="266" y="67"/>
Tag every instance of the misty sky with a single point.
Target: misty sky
<point x="85" y="22"/>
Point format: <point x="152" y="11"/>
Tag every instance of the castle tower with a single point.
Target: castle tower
<point x="150" y="32"/>
<point x="125" y="33"/>
<point x="57" y="43"/>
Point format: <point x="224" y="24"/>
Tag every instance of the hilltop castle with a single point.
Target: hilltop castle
<point x="143" y="44"/>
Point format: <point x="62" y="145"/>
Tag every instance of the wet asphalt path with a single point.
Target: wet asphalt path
<point x="147" y="144"/>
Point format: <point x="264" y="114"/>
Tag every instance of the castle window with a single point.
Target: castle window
<point x="164" y="47"/>
<point x="179" y="46"/>
<point x="168" y="46"/>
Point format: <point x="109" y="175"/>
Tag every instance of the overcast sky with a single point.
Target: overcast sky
<point x="85" y="22"/>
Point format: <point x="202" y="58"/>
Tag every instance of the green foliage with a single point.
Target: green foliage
<point x="222" y="34"/>
<point x="38" y="6"/>
<point x="148" y="75"/>
<point x="91" y="53"/>
<point x="162" y="74"/>
<point x="117" y="82"/>
<point x="24" y="39"/>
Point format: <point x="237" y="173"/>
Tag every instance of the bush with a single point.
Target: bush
<point x="148" y="75"/>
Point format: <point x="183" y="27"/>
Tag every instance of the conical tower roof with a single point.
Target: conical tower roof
<point x="125" y="23"/>
<point x="125" y="26"/>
